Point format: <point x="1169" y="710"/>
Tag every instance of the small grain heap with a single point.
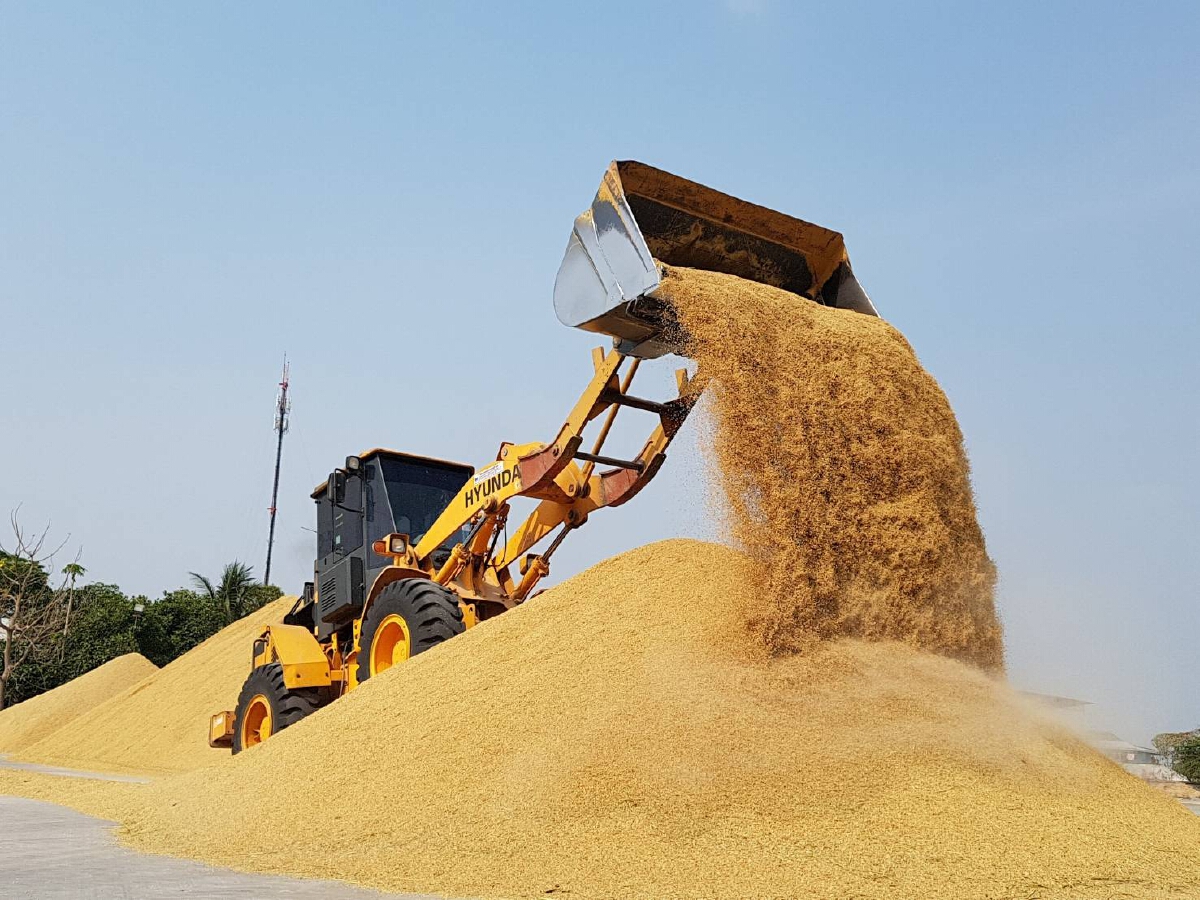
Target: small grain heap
<point x="160" y="724"/>
<point x="843" y="473"/>
<point x="27" y="723"/>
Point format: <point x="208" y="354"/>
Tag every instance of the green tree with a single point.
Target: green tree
<point x="1166" y="742"/>
<point x="103" y="630"/>
<point x="106" y="626"/>
<point x="260" y="595"/>
<point x="1187" y="758"/>
<point x="176" y="622"/>
<point x="231" y="592"/>
<point x="72" y="571"/>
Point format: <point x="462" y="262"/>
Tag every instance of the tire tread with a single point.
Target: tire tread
<point x="287" y="706"/>
<point x="431" y="611"/>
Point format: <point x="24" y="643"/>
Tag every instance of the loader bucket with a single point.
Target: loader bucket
<point x="641" y="215"/>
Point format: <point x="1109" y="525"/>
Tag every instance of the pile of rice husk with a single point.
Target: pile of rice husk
<point x="603" y="741"/>
<point x="161" y="724"/>
<point x="842" y="471"/>
<point x="1180" y="790"/>
<point x="29" y="722"/>
<point x="689" y="720"/>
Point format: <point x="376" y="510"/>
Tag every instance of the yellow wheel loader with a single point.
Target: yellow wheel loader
<point x="412" y="550"/>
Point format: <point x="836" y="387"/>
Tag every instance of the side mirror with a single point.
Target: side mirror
<point x="337" y="486"/>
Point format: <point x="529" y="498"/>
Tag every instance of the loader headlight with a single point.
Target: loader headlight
<point x="392" y="545"/>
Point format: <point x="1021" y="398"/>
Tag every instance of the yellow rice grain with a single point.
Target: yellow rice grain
<point x="36" y="718"/>
<point x="161" y="724"/>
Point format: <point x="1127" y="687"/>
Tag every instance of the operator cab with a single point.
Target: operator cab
<point x="378" y="493"/>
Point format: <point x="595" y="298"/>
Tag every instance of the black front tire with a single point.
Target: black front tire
<point x="430" y="611"/>
<point x="287" y="706"/>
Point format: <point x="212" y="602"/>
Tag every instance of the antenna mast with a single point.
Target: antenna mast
<point x="283" y="408"/>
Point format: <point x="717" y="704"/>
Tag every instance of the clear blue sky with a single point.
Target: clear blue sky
<point x="384" y="191"/>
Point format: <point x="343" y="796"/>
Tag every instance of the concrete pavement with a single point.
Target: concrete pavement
<point x="7" y="763"/>
<point x="48" y="852"/>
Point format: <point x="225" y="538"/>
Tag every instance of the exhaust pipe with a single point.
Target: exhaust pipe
<point x="643" y="216"/>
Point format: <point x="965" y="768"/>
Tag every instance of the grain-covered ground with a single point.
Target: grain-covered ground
<point x="160" y="724"/>
<point x="822" y="715"/>
<point x="610" y="739"/>
<point x="1178" y="789"/>
<point x="27" y="723"/>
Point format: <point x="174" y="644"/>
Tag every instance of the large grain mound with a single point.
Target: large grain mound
<point x="602" y="741"/>
<point x="612" y="738"/>
<point x="36" y="718"/>
<point x="843" y="473"/>
<point x="161" y="724"/>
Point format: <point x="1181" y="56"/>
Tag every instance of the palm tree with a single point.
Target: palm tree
<point x="72" y="571"/>
<point x="236" y="580"/>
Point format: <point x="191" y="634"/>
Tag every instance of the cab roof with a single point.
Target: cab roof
<point x="367" y="455"/>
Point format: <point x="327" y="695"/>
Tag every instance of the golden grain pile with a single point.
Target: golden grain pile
<point x="161" y="724"/>
<point x="843" y="473"/>
<point x="625" y="736"/>
<point x="31" y="721"/>
<point x="602" y="741"/>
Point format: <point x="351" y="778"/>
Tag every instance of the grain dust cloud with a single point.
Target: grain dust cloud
<point x="843" y="474"/>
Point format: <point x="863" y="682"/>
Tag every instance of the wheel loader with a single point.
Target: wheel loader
<point x="412" y="550"/>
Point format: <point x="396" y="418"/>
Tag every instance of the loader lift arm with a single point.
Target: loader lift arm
<point x="552" y="473"/>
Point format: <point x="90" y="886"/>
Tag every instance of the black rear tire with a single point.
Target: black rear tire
<point x="430" y="612"/>
<point x="287" y="706"/>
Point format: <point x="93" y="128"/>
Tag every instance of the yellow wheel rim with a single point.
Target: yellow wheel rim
<point x="390" y="644"/>
<point x="256" y="723"/>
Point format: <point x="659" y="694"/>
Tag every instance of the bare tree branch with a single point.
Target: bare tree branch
<point x="32" y="611"/>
